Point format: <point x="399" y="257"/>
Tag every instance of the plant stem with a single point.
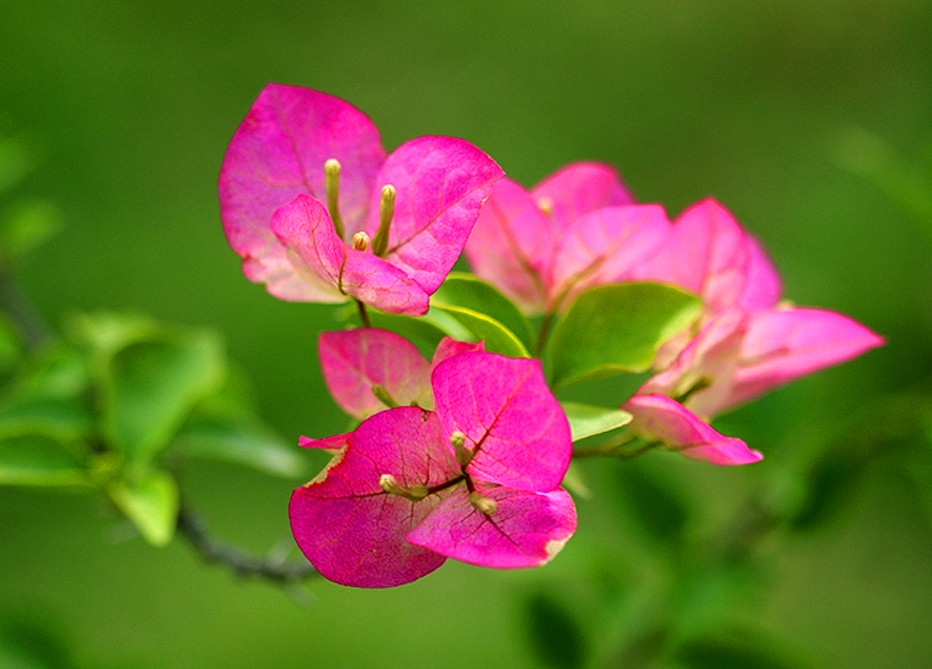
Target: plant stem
<point x="242" y="564"/>
<point x="363" y="314"/>
<point x="22" y="312"/>
<point x="614" y="449"/>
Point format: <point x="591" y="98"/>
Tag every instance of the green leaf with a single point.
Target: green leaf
<point x="151" y="386"/>
<point x="56" y="371"/>
<point x="26" y="226"/>
<point x="497" y="338"/>
<point x="469" y="292"/>
<point x="60" y="418"/>
<point x="555" y="635"/>
<point x="151" y="503"/>
<point x="249" y="445"/>
<point x="617" y="329"/>
<point x="16" y="161"/>
<point x="35" y="460"/>
<point x="419" y="331"/>
<point x="587" y="420"/>
<point x="106" y="333"/>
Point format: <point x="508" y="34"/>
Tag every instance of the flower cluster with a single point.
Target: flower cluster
<point x="462" y="456"/>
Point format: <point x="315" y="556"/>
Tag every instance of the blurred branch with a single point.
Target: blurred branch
<point x="242" y="564"/>
<point x="22" y="312"/>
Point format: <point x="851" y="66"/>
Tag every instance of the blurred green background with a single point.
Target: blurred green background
<point x="811" y="121"/>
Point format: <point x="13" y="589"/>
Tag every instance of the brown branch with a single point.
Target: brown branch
<point x="242" y="564"/>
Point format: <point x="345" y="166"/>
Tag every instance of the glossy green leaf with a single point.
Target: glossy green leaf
<point x="151" y="503"/>
<point x="497" y="338"/>
<point x="151" y="386"/>
<point x="617" y="329"/>
<point x="245" y="444"/>
<point x="421" y="332"/>
<point x="469" y="292"/>
<point x="36" y="460"/>
<point x="587" y="420"/>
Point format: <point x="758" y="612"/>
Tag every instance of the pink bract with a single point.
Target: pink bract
<point x="367" y="366"/>
<point x="576" y="229"/>
<point x="708" y="253"/>
<point x="274" y="201"/>
<point x="412" y="487"/>
<point x="657" y="417"/>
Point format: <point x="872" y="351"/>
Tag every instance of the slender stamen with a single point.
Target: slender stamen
<point x="545" y="204"/>
<point x="332" y="186"/>
<point x="386" y="212"/>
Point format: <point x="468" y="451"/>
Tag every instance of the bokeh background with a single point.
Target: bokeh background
<point x="811" y="121"/>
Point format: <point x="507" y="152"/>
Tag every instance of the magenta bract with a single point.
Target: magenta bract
<point x="477" y="480"/>
<point x="370" y="369"/>
<point x="284" y="217"/>
<point x="577" y="229"/>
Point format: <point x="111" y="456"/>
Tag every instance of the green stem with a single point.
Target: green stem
<point x="614" y="449"/>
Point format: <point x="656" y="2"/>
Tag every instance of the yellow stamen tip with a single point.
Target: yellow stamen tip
<point x="484" y="504"/>
<point x="361" y="241"/>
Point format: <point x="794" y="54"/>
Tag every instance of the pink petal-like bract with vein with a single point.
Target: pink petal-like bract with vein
<point x="304" y="228"/>
<point x="513" y="424"/>
<point x="710" y="254"/>
<point x="277" y="153"/>
<point x="512" y="246"/>
<point x="604" y="246"/>
<point x="441" y="183"/>
<point x="526" y="529"/>
<point x="349" y="528"/>
<point x="355" y="361"/>
<point x="664" y="419"/>
<point x="514" y="242"/>
<point x="579" y="188"/>
<point x="785" y="343"/>
<point x="448" y="347"/>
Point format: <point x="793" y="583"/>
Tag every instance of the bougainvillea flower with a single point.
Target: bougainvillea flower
<point x="476" y="480"/>
<point x="577" y="229"/>
<point x="318" y="213"/>
<point x="369" y="369"/>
